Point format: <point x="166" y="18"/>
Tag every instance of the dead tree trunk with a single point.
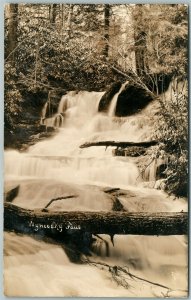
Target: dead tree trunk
<point x="30" y="221"/>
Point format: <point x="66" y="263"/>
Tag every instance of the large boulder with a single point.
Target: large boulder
<point x="107" y="97"/>
<point x="11" y="194"/>
<point x="132" y="99"/>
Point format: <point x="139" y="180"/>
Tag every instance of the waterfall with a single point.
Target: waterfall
<point x="79" y="105"/>
<point x="58" y="167"/>
<point x="44" y="110"/>
<point x="112" y="107"/>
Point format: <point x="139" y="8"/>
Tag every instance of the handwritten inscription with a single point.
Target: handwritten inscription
<point x="53" y="225"/>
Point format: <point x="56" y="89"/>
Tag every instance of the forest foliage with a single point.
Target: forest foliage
<point x="61" y="47"/>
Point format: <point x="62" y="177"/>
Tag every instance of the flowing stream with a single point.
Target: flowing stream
<point x="58" y="167"/>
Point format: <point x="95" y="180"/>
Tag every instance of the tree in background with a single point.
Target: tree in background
<point x="155" y="35"/>
<point x="13" y="97"/>
<point x="161" y="36"/>
<point x="106" y="29"/>
<point x="12" y="23"/>
<point x="52" y="13"/>
<point x="140" y="40"/>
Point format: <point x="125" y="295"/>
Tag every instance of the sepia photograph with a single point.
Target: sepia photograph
<point x="96" y="150"/>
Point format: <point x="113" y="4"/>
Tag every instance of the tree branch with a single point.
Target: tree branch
<point x="59" y="198"/>
<point x="119" y="273"/>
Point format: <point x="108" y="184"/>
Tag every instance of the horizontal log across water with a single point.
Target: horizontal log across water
<point x="145" y="144"/>
<point x="142" y="223"/>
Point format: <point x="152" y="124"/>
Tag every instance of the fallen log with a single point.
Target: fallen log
<point x="119" y="144"/>
<point x="143" y="223"/>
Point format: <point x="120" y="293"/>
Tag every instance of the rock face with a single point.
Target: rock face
<point x="27" y="130"/>
<point x="107" y="97"/>
<point x="53" y="102"/>
<point x="135" y="97"/>
<point x="11" y="194"/>
<point x="131" y="151"/>
<point x="26" y="135"/>
<point x="132" y="99"/>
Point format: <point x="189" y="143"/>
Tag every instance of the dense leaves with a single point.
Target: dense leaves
<point x="13" y="98"/>
<point x="164" y="33"/>
<point x="172" y="132"/>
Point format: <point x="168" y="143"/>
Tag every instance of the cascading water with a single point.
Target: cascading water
<point x="58" y="167"/>
<point x="113" y="104"/>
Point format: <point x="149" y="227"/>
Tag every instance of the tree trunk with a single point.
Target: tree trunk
<point x="106" y="29"/>
<point x="69" y="20"/>
<point x="62" y="15"/>
<point x="30" y="221"/>
<point x="52" y="12"/>
<point x="120" y="144"/>
<point x="140" y="41"/>
<point x="12" y="14"/>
